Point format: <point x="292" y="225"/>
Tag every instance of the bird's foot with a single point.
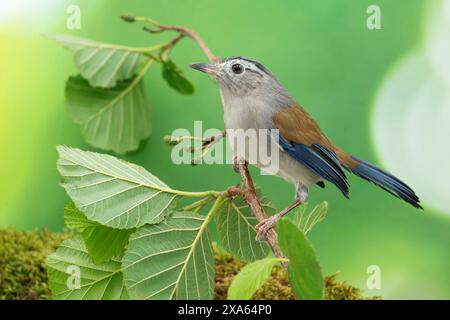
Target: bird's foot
<point x="265" y="226"/>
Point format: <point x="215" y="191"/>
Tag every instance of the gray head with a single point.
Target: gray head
<point x="239" y="77"/>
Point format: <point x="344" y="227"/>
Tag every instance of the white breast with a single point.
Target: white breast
<point x="249" y="113"/>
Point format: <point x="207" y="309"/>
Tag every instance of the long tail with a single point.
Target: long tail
<point x="379" y="177"/>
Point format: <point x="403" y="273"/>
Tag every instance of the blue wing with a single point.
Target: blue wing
<point x="319" y="159"/>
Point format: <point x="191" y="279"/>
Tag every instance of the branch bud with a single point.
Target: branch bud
<point x="171" y="141"/>
<point x="127" y="18"/>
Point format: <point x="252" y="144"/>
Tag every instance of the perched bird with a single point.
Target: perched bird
<point x="254" y="99"/>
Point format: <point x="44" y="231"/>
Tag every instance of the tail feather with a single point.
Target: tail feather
<point x="385" y="181"/>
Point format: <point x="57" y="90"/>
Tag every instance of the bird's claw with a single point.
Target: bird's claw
<point x="264" y="227"/>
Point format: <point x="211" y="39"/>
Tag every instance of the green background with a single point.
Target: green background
<point x="321" y="51"/>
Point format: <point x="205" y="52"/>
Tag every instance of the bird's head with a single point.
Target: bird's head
<point x="240" y="77"/>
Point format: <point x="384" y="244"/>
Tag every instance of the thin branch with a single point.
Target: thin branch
<point x="166" y="49"/>
<point x="158" y="28"/>
<point x="202" y="145"/>
<point x="209" y="141"/>
<point x="251" y="198"/>
<point x="187" y="32"/>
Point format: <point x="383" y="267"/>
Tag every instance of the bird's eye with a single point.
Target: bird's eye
<point x="237" y="68"/>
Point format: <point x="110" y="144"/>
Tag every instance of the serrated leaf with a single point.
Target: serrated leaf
<point x="307" y="221"/>
<point x="304" y="271"/>
<point x="250" y="278"/>
<point x="74" y="276"/>
<point x="103" y="243"/>
<point x="176" y="79"/>
<point x="236" y="228"/>
<point x="113" y="192"/>
<point x="116" y="119"/>
<point x="102" y="64"/>
<point x="170" y="260"/>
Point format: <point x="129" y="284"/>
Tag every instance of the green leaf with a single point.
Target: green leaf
<point x="71" y="263"/>
<point x="251" y="278"/>
<point x="102" y="64"/>
<point x="103" y="243"/>
<point x="307" y="221"/>
<point x="113" y="192"/>
<point x="175" y="78"/>
<point x="74" y="218"/>
<point x="305" y="274"/>
<point x="236" y="228"/>
<point x="170" y="260"/>
<point x="116" y="119"/>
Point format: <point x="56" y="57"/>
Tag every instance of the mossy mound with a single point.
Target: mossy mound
<point x="23" y="272"/>
<point x="277" y="287"/>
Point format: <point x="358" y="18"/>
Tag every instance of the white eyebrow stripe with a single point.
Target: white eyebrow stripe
<point x="258" y="65"/>
<point x="254" y="71"/>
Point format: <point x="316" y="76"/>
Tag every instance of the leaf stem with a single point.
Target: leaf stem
<point x="150" y="49"/>
<point x="198" y="204"/>
<point x="195" y="194"/>
<point x="146" y="19"/>
<point x="216" y="206"/>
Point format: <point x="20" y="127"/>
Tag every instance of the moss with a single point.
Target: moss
<point x="336" y="290"/>
<point x="23" y="274"/>
<point x="277" y="287"/>
<point x="22" y="259"/>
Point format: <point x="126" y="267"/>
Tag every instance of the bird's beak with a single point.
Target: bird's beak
<point x="208" y="68"/>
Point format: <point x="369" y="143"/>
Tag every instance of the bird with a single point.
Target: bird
<point x="253" y="98"/>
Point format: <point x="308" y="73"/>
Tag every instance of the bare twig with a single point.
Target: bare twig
<point x="186" y="32"/>
<point x="251" y="198"/>
<point x="166" y="49"/>
<point x="158" y="28"/>
<point x="209" y="141"/>
<point x="202" y="145"/>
